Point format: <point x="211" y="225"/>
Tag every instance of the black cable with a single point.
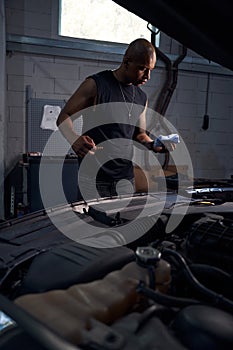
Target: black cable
<point x="215" y="298"/>
<point x="214" y="278"/>
<point x="163" y="298"/>
<point x="151" y="273"/>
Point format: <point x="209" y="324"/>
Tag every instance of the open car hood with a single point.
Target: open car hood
<point x="204" y="27"/>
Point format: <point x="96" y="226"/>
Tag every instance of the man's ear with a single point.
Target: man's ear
<point x="126" y="62"/>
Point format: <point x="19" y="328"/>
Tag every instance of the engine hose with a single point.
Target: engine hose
<point x="151" y="274"/>
<point x="215" y="298"/>
<point x="214" y="278"/>
<point x="213" y="271"/>
<point x="164" y="299"/>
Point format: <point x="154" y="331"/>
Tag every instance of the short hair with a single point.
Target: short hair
<point x="139" y="47"/>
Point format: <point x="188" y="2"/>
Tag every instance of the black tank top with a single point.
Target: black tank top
<point x="110" y="126"/>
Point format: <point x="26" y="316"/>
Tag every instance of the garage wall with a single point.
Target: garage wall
<point x="210" y="150"/>
<point x="56" y="76"/>
<point x="2" y="104"/>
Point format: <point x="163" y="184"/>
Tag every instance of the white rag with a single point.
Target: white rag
<point x="173" y="138"/>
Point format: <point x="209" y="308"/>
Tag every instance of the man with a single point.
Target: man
<point x="109" y="167"/>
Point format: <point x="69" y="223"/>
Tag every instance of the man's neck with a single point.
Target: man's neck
<point x="120" y="76"/>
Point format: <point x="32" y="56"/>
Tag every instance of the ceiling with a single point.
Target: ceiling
<point x="205" y="27"/>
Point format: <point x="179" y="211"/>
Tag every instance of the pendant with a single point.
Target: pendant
<point x="129" y="115"/>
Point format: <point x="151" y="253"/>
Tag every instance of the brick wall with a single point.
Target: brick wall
<point x="57" y="77"/>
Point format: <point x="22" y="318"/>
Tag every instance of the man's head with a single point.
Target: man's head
<point x="138" y="61"/>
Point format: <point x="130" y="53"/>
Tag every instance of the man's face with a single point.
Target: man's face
<point x="138" y="70"/>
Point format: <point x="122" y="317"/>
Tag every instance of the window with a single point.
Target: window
<point x="101" y="20"/>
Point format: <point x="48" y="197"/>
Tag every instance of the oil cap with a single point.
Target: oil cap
<point x="147" y="255"/>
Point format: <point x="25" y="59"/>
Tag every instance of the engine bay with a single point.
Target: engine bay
<point x="123" y="276"/>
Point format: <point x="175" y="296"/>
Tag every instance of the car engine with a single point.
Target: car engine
<point x="163" y="290"/>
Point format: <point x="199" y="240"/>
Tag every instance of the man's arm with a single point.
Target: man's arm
<point x="83" y="97"/>
<point x="142" y="137"/>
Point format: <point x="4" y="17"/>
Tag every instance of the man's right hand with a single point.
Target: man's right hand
<point x="83" y="145"/>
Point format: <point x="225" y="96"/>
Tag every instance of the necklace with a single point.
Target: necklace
<point x="129" y="108"/>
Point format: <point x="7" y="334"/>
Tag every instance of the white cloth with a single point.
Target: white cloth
<point x="173" y="138"/>
<point x="49" y="118"/>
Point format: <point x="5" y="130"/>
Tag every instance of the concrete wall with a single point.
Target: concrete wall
<point x="56" y="77"/>
<point x="210" y="150"/>
<point x="33" y="18"/>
